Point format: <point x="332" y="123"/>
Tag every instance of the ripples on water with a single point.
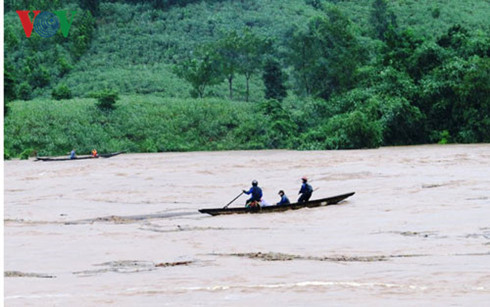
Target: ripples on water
<point x="126" y="230"/>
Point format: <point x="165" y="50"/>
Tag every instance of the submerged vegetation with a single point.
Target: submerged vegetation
<point x="148" y="76"/>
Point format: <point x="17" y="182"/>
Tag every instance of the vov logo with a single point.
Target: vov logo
<point x="46" y="24"/>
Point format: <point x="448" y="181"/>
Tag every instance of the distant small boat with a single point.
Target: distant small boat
<point x="279" y="208"/>
<point x="109" y="155"/>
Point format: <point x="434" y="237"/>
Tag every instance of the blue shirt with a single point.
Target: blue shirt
<point x="284" y="200"/>
<point x="72" y="154"/>
<point x="256" y="193"/>
<point x="305" y="189"/>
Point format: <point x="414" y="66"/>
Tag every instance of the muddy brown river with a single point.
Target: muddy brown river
<point x="126" y="231"/>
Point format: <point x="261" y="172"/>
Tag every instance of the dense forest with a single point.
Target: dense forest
<point x="169" y="75"/>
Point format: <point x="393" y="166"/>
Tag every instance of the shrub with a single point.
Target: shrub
<point x="280" y="126"/>
<point x="436" y="12"/>
<point x="24" y="91"/>
<point x="61" y="92"/>
<point x="6" y="154"/>
<point x="27" y="153"/>
<point x="352" y="130"/>
<point x="444" y="136"/>
<point x="106" y="99"/>
<point x="149" y="146"/>
<point x="402" y="122"/>
<point x="274" y="80"/>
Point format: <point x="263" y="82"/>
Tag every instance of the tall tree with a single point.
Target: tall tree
<point x="326" y="55"/>
<point x="381" y="18"/>
<point x="274" y="80"/>
<point x="200" y="72"/>
<point x="228" y="50"/>
<point x="302" y="59"/>
<point x="252" y="49"/>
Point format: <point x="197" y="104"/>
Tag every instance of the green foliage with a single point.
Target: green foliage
<point x="381" y="18"/>
<point x="106" y="99"/>
<point x="200" y="73"/>
<point x="6" y="108"/>
<point x="26" y="154"/>
<point x="281" y="129"/>
<point x="227" y="52"/>
<point x="252" y="50"/>
<point x="326" y="55"/>
<point x="9" y="83"/>
<point x="424" y="59"/>
<point x="455" y="38"/>
<point x="233" y="54"/>
<point x="40" y="77"/>
<point x="444" y="137"/>
<point x="310" y="113"/>
<point x="139" y="123"/>
<point x="42" y="62"/>
<point x="10" y="38"/>
<point x="164" y="4"/>
<point x="274" y="80"/>
<point x="436" y="12"/>
<point x="61" y="92"/>
<point x="92" y="5"/>
<point x="82" y="34"/>
<point x="6" y="155"/>
<point x="352" y="130"/>
<point x="64" y="66"/>
<point x="402" y="72"/>
<point x="399" y="47"/>
<point x="31" y="4"/>
<point x="402" y="123"/>
<point x="456" y="98"/>
<point x="317" y="4"/>
<point x="346" y="131"/>
<point x="24" y="91"/>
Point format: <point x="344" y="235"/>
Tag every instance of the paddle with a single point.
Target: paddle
<point x="232" y="200"/>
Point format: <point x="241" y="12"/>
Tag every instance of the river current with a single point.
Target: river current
<point x="126" y="231"/>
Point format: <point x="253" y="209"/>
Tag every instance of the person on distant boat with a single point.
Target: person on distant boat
<point x="73" y="154"/>
<point x="256" y="193"/>
<point x="94" y="153"/>
<point x="284" y="199"/>
<point x="305" y="191"/>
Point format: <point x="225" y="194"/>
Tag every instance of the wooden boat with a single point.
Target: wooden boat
<point x="109" y="155"/>
<point x="279" y="208"/>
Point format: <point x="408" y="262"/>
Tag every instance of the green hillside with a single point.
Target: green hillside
<point x="376" y="72"/>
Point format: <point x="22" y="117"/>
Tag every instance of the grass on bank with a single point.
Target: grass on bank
<point x="147" y="123"/>
<point x="138" y="124"/>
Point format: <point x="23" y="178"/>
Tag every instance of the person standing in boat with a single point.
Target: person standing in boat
<point x="256" y="194"/>
<point x="73" y="154"/>
<point x="305" y="191"/>
<point x="94" y="153"/>
<point x="284" y="199"/>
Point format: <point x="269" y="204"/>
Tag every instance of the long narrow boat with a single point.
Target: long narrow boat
<point x="279" y="208"/>
<point x="109" y="155"/>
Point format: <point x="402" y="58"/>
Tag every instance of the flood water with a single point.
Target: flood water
<point x="126" y="231"/>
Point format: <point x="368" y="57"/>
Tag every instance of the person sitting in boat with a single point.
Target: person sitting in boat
<point x="73" y="154"/>
<point x="94" y="153"/>
<point x="305" y="191"/>
<point x="256" y="195"/>
<point x="284" y="199"/>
